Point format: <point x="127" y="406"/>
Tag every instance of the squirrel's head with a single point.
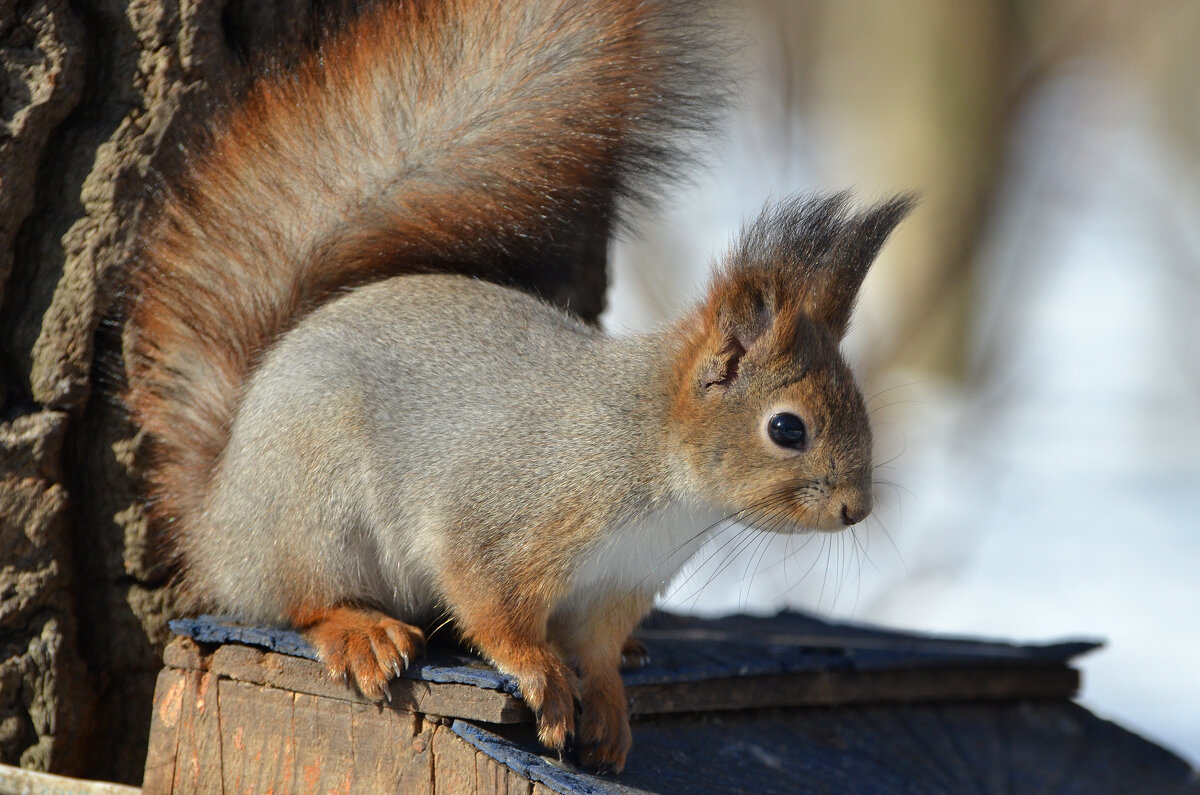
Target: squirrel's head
<point x="765" y="411"/>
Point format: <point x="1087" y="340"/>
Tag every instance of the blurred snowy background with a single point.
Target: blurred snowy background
<point x="1029" y="341"/>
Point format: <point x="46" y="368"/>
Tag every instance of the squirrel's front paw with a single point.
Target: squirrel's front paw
<point x="362" y="645"/>
<point x="604" y="735"/>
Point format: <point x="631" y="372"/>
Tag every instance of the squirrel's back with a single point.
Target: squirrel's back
<point x="482" y="137"/>
<point x="367" y="438"/>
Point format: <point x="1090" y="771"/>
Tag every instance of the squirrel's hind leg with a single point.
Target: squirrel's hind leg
<point x="359" y="644"/>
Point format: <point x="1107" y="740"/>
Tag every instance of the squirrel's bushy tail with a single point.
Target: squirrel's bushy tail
<point x="471" y="136"/>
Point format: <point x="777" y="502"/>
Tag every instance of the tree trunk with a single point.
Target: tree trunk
<point x="95" y="93"/>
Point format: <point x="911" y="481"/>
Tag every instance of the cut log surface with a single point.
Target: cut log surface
<point x="741" y="704"/>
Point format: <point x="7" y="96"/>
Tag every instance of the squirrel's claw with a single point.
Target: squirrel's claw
<point x="553" y="695"/>
<point x="364" y="645"/>
<point x="633" y="654"/>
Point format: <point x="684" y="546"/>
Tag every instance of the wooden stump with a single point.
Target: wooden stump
<point x="752" y="704"/>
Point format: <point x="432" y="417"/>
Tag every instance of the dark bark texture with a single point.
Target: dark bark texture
<point x="95" y="98"/>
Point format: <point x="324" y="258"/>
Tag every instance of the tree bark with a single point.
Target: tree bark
<point x="95" y="94"/>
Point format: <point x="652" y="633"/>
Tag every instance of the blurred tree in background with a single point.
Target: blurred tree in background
<point x="880" y="95"/>
<point x="1029" y="341"/>
<point x="924" y="95"/>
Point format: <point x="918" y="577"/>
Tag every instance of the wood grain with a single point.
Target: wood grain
<point x="198" y="761"/>
<point x="495" y="778"/>
<point x="165" y="718"/>
<point x="322" y="734"/>
<point x="453" y="763"/>
<point x="258" y="753"/>
<point x="391" y="750"/>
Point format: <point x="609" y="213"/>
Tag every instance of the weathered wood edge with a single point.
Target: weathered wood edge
<point x="834" y="688"/>
<point x="165" y="718"/>
<point x="821" y="688"/>
<point x="528" y="765"/>
<point x="247" y="664"/>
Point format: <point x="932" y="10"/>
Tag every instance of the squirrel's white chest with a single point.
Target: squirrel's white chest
<point x="641" y="556"/>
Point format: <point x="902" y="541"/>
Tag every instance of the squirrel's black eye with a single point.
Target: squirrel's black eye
<point x="787" y="430"/>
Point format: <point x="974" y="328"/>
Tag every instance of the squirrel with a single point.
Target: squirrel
<point x="366" y="410"/>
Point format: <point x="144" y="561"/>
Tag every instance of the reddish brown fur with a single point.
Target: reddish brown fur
<point x="359" y="644"/>
<point x="769" y="331"/>
<point x="596" y="642"/>
<point x="219" y="281"/>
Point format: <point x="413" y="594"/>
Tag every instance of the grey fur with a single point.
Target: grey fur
<point x="370" y="437"/>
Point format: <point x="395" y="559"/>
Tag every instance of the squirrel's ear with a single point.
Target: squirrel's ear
<point x="820" y="250"/>
<point x="739" y="312"/>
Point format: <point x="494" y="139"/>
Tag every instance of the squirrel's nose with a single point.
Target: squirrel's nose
<point x="853" y="515"/>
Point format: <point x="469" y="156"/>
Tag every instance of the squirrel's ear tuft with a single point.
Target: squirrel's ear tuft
<point x="819" y="251"/>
